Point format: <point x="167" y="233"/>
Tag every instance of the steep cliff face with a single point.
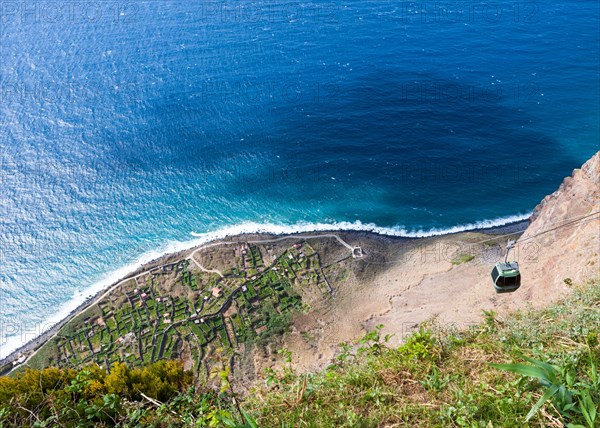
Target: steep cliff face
<point x="560" y="244"/>
<point x="426" y="284"/>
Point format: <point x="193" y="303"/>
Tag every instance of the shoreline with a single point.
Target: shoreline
<point x="24" y="352"/>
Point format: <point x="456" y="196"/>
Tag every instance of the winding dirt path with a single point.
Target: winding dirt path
<point x="263" y="241"/>
<point x="191" y="258"/>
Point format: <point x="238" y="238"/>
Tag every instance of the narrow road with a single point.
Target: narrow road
<point x="264" y="241"/>
<point x="191" y="258"/>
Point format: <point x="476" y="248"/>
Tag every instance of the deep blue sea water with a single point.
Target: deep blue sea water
<point x="130" y="128"/>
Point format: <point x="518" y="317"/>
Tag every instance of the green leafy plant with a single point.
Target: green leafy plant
<point x="372" y="342"/>
<point x="419" y="346"/>
<point x="570" y="398"/>
<point x="435" y="381"/>
<point x="249" y="422"/>
<point x="489" y="318"/>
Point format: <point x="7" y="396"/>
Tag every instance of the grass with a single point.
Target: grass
<point x="535" y="368"/>
<point x="44" y="356"/>
<point x="462" y="258"/>
<point x="442" y="377"/>
<point x="134" y="316"/>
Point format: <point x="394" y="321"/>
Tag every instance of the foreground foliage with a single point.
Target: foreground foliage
<point x="534" y="368"/>
<point x="441" y="377"/>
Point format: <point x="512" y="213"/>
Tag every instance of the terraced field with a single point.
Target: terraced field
<point x="179" y="311"/>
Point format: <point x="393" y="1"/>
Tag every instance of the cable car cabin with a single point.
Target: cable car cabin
<point x="506" y="277"/>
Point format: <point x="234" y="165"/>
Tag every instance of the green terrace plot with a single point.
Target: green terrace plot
<point x="178" y="311"/>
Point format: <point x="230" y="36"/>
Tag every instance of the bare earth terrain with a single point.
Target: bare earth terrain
<point x="560" y="247"/>
<point x="396" y="282"/>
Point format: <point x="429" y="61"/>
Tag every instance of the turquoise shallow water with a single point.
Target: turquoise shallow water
<point x="128" y="128"/>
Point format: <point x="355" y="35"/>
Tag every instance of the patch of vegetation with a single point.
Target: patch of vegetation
<point x="44" y="356"/>
<point x="89" y="397"/>
<point x="462" y="258"/>
<point x="152" y="317"/>
<point x="440" y="377"/>
<point x="535" y="368"/>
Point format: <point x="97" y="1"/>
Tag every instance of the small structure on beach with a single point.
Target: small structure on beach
<point x="19" y="360"/>
<point x="199" y="310"/>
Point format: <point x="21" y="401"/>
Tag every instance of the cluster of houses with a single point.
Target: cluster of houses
<point x="213" y="292"/>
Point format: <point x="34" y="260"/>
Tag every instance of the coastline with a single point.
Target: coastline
<point x="24" y="352"/>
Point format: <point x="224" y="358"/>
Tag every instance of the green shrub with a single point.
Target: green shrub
<point x="462" y="258"/>
<point x="436" y="378"/>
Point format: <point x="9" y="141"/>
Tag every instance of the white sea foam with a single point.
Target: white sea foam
<point x="276" y="229"/>
<point x="12" y="343"/>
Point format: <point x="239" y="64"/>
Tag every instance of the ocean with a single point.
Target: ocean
<point x="133" y="128"/>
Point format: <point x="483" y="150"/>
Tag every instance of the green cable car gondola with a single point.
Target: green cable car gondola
<point x="506" y="276"/>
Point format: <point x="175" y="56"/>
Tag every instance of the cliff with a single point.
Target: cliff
<point x="448" y="279"/>
<point x="562" y="243"/>
<point x="437" y="376"/>
<point x="399" y="283"/>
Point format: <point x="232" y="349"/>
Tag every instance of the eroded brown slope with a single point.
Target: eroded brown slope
<point x="424" y="284"/>
<point x="565" y="251"/>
